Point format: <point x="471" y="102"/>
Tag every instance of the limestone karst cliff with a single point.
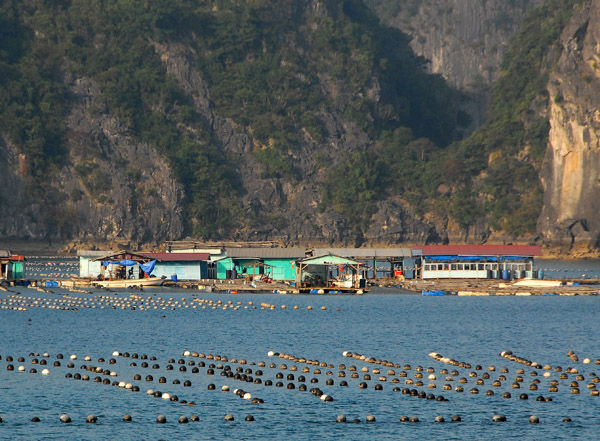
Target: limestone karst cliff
<point x="463" y="40"/>
<point x="572" y="166"/>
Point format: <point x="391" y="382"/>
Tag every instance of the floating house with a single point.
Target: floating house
<point x="125" y="265"/>
<point x="183" y="266"/>
<point x="12" y="266"/>
<point x="400" y="260"/>
<point x="173" y="266"/>
<point x="272" y="263"/>
<point x="328" y="273"/>
<point x="476" y="261"/>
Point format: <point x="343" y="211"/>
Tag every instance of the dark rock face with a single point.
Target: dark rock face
<point x="571" y="174"/>
<point x="15" y="206"/>
<point x="110" y="187"/>
<point x="289" y="210"/>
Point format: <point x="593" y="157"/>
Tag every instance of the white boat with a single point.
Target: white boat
<point x="129" y="283"/>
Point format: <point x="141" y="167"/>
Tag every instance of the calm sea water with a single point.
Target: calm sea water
<point x="400" y="328"/>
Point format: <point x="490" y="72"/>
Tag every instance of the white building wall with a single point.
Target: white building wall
<point x="184" y="271"/>
<point x="455" y="274"/>
<point x="89" y="268"/>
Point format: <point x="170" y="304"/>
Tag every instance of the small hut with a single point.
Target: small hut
<point x="329" y="272"/>
<point x="126" y="265"/>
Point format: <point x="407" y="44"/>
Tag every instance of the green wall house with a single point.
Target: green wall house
<point x="12" y="267"/>
<point x="281" y="268"/>
<point x="277" y="263"/>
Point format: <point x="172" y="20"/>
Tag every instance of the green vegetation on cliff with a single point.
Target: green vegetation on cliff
<point x="276" y="68"/>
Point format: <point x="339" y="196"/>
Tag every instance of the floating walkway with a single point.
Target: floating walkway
<point x="472" y="288"/>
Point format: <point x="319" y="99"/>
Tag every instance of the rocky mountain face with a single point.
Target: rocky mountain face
<point x="98" y="191"/>
<point x="112" y="183"/>
<point x="572" y="166"/>
<point x="463" y="40"/>
<point x="289" y="210"/>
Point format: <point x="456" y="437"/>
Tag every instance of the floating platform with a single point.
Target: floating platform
<point x="494" y="287"/>
<point x="334" y="290"/>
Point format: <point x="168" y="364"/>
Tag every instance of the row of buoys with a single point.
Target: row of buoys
<point x="574" y="358"/>
<point x="496" y="383"/>
<point x="510" y="356"/>
<point x="418" y="375"/>
<point x="134" y="302"/>
<point x="498" y="418"/>
<point x="50" y="261"/>
<point x="69" y="302"/>
<point x="297" y="359"/>
<point x="447" y="360"/>
<point x="160" y="419"/>
<point x="315" y="391"/>
<point x="367" y="359"/>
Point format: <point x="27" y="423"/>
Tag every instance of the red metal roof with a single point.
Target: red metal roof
<point x="178" y="257"/>
<point x="479" y="250"/>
